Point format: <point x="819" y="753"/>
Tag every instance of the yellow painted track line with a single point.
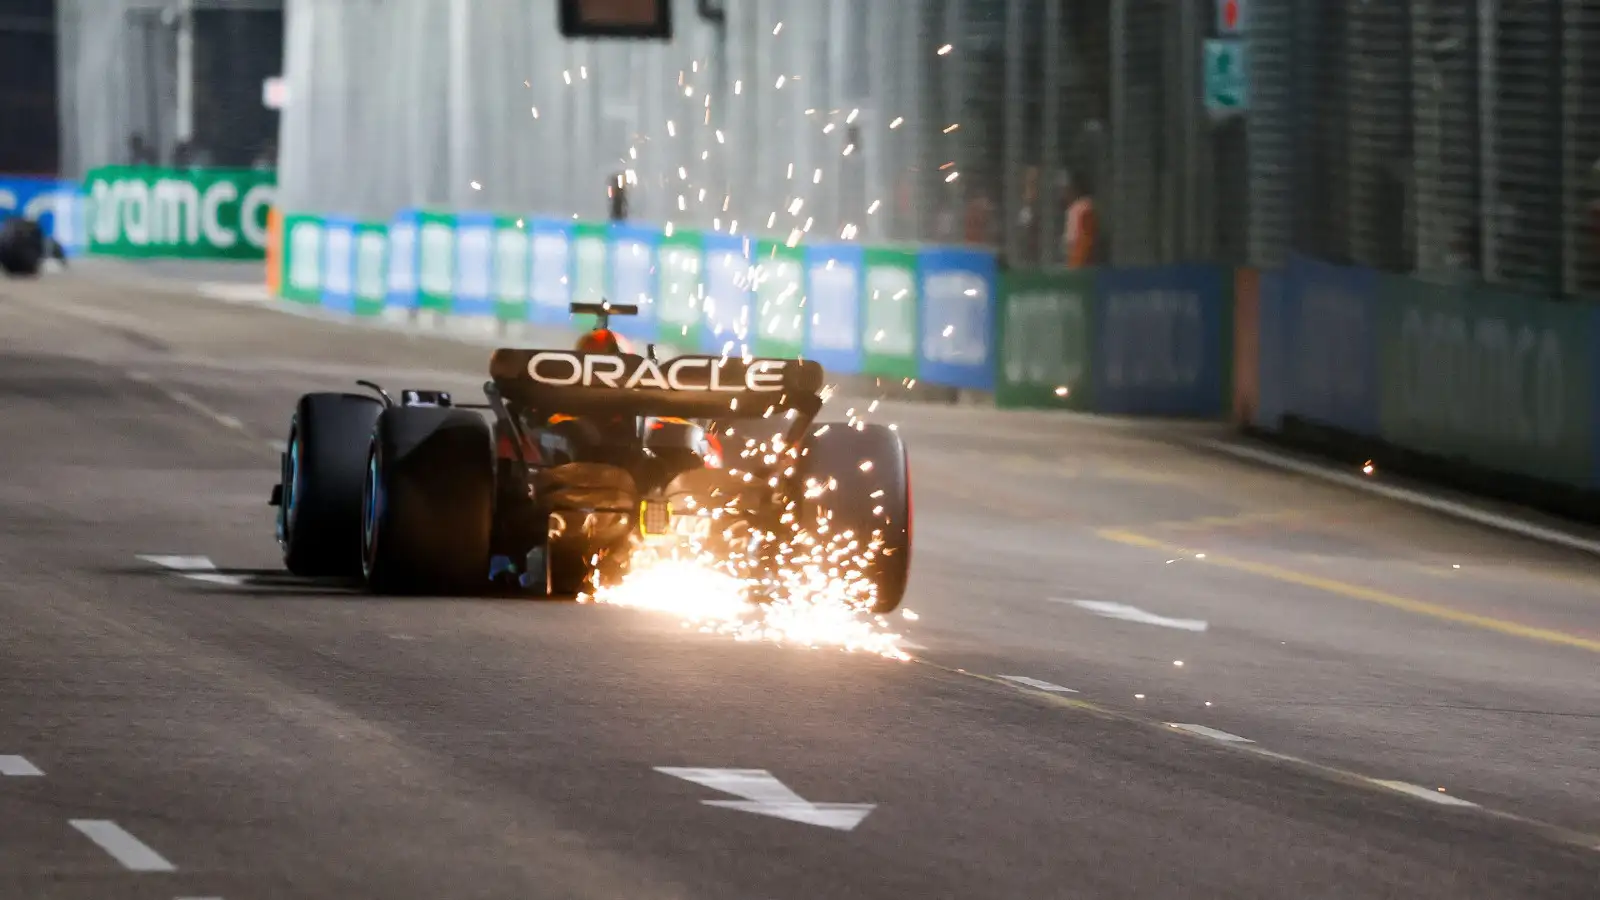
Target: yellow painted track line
<point x="1366" y="594"/>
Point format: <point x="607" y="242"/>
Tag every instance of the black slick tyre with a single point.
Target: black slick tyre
<point x="873" y="496"/>
<point x="22" y="247"/>
<point x="428" y="502"/>
<point x="323" y="467"/>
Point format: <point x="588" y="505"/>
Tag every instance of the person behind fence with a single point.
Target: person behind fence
<point x="139" y="151"/>
<point x="191" y="154"/>
<point x="1081" y="237"/>
<point x="617" y="196"/>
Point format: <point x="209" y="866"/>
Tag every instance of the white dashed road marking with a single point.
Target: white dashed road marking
<point x="197" y="568"/>
<point x="1037" y="684"/>
<point x="1423" y="793"/>
<point x="1212" y="733"/>
<point x="126" y="849"/>
<point x="190" y="402"/>
<point x="229" y="292"/>
<point x="17" y="767"/>
<point x="1133" y="614"/>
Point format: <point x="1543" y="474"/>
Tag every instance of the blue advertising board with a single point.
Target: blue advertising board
<point x="836" y="277"/>
<point x="54" y="204"/>
<point x="958" y="317"/>
<point x="549" y="271"/>
<point x="339" y="264"/>
<point x="631" y="277"/>
<point x="403" y="255"/>
<point x="1329" y="345"/>
<point x="729" y="293"/>
<point x="1160" y="335"/>
<point x="1272" y="360"/>
<point x="474" y="265"/>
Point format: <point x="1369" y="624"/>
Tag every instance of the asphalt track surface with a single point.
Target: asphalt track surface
<point x="262" y="739"/>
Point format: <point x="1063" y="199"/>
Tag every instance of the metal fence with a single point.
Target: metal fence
<point x="947" y="120"/>
<point x="1457" y="139"/>
<point x="167" y="82"/>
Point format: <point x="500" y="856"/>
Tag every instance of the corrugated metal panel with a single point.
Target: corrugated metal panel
<point x="828" y="117"/>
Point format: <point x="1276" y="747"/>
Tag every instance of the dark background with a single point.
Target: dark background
<point x="30" y="141"/>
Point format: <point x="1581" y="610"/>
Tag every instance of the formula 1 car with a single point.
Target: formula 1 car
<point x="578" y="462"/>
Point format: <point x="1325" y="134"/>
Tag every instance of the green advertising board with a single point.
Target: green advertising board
<point x="142" y="212"/>
<point x="779" y="294"/>
<point x="372" y="269"/>
<point x="1498" y="380"/>
<point x="436" y="261"/>
<point x="680" y="313"/>
<point x="302" y="259"/>
<point x="589" y="257"/>
<point x="889" y="317"/>
<point x="1045" y="329"/>
<point x="513" y="262"/>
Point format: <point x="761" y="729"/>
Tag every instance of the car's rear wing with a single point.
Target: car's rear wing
<point x="705" y="387"/>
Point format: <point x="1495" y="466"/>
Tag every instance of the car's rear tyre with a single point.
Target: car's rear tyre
<point x="873" y="495"/>
<point x="22" y="247"/>
<point x="427" y="502"/>
<point x="323" y="467"/>
<point x="576" y="539"/>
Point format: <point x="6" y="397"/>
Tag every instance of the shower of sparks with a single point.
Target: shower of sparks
<point x="699" y="190"/>
<point x="816" y="593"/>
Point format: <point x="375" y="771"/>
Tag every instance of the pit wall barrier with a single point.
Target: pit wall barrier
<point x="1491" y="390"/>
<point x="1475" y="386"/>
<point x="1137" y="341"/>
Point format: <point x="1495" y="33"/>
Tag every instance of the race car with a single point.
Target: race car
<point x="579" y="461"/>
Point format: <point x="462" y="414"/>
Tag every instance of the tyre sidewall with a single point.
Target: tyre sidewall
<point x="428" y="502"/>
<point x="839" y="453"/>
<point x="321" y="472"/>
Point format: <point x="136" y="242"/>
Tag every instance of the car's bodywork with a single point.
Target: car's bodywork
<point x="599" y="455"/>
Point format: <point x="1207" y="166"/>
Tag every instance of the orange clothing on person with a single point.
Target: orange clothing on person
<point x="1082" y="233"/>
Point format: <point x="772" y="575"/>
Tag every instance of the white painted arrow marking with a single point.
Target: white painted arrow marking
<point x="765" y="795"/>
<point x="1134" y="614"/>
<point x="1036" y="683"/>
<point x="197" y="568"/>
<point x="18" y="767"/>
